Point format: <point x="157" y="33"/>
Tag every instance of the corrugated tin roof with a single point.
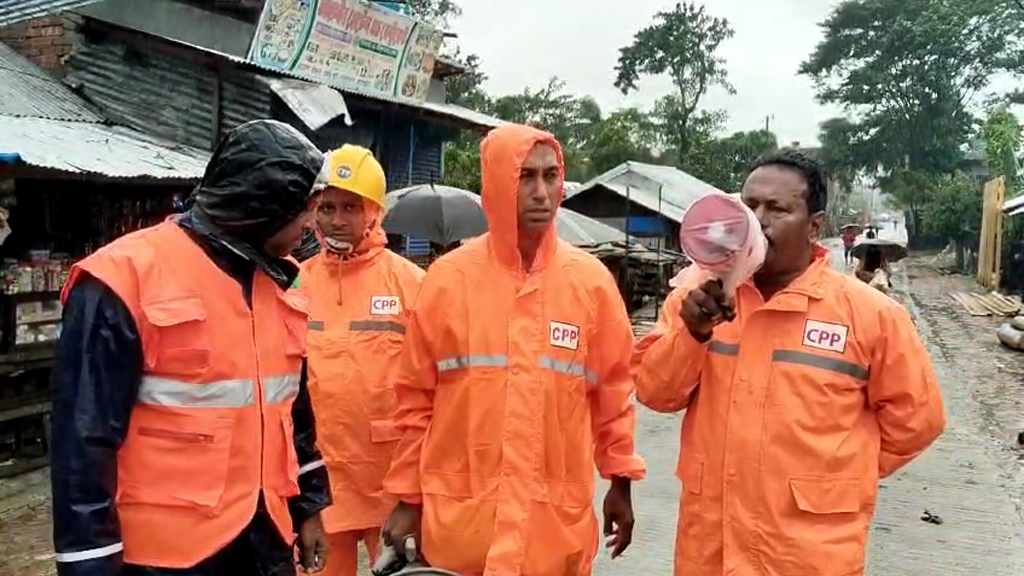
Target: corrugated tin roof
<point x="663" y="189"/>
<point x="12" y="11"/>
<point x="1014" y="204"/>
<point x="575" y="228"/>
<point x="27" y="90"/>
<point x="87" y="148"/>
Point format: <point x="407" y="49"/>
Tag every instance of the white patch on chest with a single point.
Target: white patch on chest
<point x="825" y="336"/>
<point x="564" y="335"/>
<point x="385" y="305"/>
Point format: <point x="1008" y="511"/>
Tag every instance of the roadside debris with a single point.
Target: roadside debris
<point x="931" y="517"/>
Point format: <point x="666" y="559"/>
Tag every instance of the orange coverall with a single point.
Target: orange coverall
<point x="794" y="410"/>
<point x="514" y="383"/>
<point x="358" y="312"/>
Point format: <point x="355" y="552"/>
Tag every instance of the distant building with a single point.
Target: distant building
<point x="645" y="200"/>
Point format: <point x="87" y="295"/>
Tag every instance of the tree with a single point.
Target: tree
<point x="624" y="135"/>
<point x="727" y="160"/>
<point x="908" y="73"/>
<point x="953" y="211"/>
<point x="1001" y="133"/>
<point x="462" y="154"/>
<point x="681" y="43"/>
<point x="467" y="89"/>
<point x="440" y="13"/>
<point x="570" y="118"/>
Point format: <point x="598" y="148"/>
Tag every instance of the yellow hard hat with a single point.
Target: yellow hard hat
<point x="354" y="168"/>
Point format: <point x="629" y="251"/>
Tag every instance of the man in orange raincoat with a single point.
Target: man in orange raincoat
<point x="514" y="383"/>
<point x="794" y="409"/>
<point x="359" y="293"/>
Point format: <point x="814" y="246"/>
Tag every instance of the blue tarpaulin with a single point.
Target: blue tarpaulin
<point x="10" y="158"/>
<point x="653" y="226"/>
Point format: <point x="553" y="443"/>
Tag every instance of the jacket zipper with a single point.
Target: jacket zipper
<point x="259" y="391"/>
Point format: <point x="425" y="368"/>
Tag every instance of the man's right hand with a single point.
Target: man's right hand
<point x="403" y="522"/>
<point x="705" y="307"/>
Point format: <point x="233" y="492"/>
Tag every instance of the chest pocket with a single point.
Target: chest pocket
<point x="823" y="388"/>
<point x="296" y="318"/>
<point x="177" y="339"/>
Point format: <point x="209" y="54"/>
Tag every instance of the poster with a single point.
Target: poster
<point x="348" y="44"/>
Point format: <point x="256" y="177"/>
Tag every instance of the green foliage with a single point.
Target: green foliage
<point x="627" y="134"/>
<point x="909" y="71"/>
<point x="953" y="209"/>
<point x="1002" y="135"/>
<point x="681" y="43"/>
<point x="440" y="13"/>
<point x="724" y="162"/>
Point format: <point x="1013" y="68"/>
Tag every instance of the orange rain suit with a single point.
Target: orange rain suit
<point x="513" y="384"/>
<point x="358" y="311"/>
<point x="794" y="410"/>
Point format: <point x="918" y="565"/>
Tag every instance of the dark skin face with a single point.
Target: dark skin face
<point x="289" y="238"/>
<point x="778" y="197"/>
<point x="342" y="216"/>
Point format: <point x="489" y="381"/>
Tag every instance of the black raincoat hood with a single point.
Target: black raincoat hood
<point x="259" y="179"/>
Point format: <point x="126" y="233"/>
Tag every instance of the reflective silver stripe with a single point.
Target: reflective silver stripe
<point x="311" y="466"/>
<point x="316" y="325"/>
<point x="472" y="361"/>
<point x="723" y="348"/>
<point x="220" y="394"/>
<point x="376" y="326"/>
<point x="568" y="368"/>
<point x="65" y="557"/>
<point x="280" y="388"/>
<point x="823" y="362"/>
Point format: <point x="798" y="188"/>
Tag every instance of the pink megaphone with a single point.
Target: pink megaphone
<point x="723" y="239"/>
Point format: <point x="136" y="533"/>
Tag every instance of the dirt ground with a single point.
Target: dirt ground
<point x="973" y="478"/>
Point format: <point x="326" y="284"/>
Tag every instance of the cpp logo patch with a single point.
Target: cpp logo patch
<point x="826" y="336"/>
<point x="344" y="172"/>
<point x="564" y="335"/>
<point x="385" y="305"/>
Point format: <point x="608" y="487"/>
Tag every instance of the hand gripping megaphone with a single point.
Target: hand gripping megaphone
<point x="723" y="239"/>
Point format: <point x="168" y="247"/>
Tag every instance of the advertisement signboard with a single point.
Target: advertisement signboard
<point x="351" y="44"/>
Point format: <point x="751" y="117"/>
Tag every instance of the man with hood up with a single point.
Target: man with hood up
<point x="184" y="441"/>
<point x="359" y="296"/>
<point x="514" y="383"/>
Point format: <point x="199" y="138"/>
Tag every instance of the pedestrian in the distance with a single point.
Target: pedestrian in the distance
<point x="795" y="409"/>
<point x="514" y="383"/>
<point x="184" y="442"/>
<point x="849" y="239"/>
<point x="359" y="298"/>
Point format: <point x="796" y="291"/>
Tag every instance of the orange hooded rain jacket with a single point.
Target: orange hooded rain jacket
<point x="359" y="306"/>
<point x="514" y="383"/>
<point x="794" y="410"/>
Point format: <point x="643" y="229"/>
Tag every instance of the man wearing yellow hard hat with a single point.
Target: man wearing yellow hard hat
<point x="359" y="293"/>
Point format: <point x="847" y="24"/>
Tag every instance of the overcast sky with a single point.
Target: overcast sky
<point x="525" y="42"/>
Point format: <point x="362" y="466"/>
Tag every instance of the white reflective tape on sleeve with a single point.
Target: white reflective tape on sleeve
<point x="311" y="466"/>
<point x="65" y="557"/>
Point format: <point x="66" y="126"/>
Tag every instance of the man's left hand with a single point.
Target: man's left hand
<point x="312" y="545"/>
<point x="618" y="516"/>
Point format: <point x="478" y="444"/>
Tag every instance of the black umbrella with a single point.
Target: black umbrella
<point x="441" y="214"/>
<point x="891" y="251"/>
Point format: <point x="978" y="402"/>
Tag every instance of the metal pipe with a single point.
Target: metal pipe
<point x="661" y="242"/>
